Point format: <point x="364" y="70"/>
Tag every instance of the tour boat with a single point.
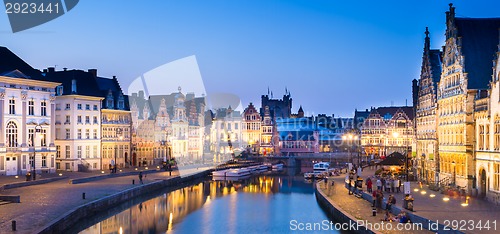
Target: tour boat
<point x="278" y="166"/>
<point x="219" y="173"/>
<point x="238" y="172"/>
<point x="321" y="167"/>
<point x="262" y="168"/>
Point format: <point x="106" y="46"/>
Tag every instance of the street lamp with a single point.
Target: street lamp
<point x="38" y="128"/>
<point x="349" y="137"/>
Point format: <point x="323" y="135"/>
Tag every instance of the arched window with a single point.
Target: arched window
<point x="11" y="134"/>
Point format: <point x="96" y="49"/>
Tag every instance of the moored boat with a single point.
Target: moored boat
<point x="277" y="166"/>
<point x="238" y="172"/>
<point x="221" y="173"/>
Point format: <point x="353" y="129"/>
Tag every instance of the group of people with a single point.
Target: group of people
<point x="385" y="184"/>
<point x="402" y="217"/>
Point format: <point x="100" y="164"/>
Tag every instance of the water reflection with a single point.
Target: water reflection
<point x="214" y="206"/>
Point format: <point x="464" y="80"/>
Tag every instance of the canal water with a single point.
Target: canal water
<point x="267" y="203"/>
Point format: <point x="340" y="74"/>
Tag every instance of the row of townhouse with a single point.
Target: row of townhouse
<point x="457" y="123"/>
<point x="52" y="120"/>
<point x="166" y="127"/>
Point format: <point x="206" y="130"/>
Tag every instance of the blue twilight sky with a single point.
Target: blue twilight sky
<point x="333" y="56"/>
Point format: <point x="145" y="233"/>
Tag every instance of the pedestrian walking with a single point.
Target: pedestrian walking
<point x="369" y="185"/>
<point x="389" y="203"/>
<point x="392" y="185"/>
<point x="380" y="198"/>
<point x="350" y="187"/>
<point x="379" y="184"/>
<point x="140" y="177"/>
<point x="397" y="184"/>
<point x="388" y="185"/>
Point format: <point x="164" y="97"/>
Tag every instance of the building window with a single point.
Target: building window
<point x="31" y="137"/>
<point x="79" y="151"/>
<point x="68" y="151"/>
<point x="11" y="134"/>
<point x="79" y="106"/>
<point x="87" y="119"/>
<point x="32" y="161"/>
<point x="44" y="161"/>
<point x="95" y="120"/>
<point x="496" y="140"/>
<point x="121" y="104"/>
<point x="43" y="108"/>
<point x="12" y="106"/>
<point x="87" y="107"/>
<point x="87" y="133"/>
<point x="68" y="119"/>
<point x="496" y="176"/>
<point x="68" y="106"/>
<point x="110" y="104"/>
<point x="58" y="165"/>
<point x="79" y="119"/>
<point x="58" y="151"/>
<point x="95" y="133"/>
<point x="43" y="141"/>
<point x="59" y="90"/>
<point x="68" y="133"/>
<point x="79" y="134"/>
<point x="94" y="155"/>
<point x="31" y="107"/>
<point x="87" y="151"/>
<point x="95" y="107"/>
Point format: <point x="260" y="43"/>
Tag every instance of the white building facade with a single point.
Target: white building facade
<point x="27" y="133"/>
<point x="78" y="132"/>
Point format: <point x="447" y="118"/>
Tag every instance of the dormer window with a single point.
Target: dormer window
<point x="109" y="103"/>
<point x="59" y="90"/>
<point x="110" y="100"/>
<point x="121" y="102"/>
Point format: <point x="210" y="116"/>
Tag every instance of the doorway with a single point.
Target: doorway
<point x="11" y="164"/>
<point x="482" y="183"/>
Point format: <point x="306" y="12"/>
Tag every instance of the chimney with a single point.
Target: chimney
<point x="141" y="94"/>
<point x="73" y="86"/>
<point x="93" y="72"/>
<point x="44" y="70"/>
<point x="52" y="69"/>
<point x="65" y="69"/>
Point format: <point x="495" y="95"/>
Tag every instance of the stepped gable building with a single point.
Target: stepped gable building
<point x="471" y="46"/>
<point x="27" y="107"/>
<point x="175" y="123"/>
<point x="387" y="130"/>
<point x="426" y="110"/>
<point x="144" y="145"/>
<point x="251" y="131"/>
